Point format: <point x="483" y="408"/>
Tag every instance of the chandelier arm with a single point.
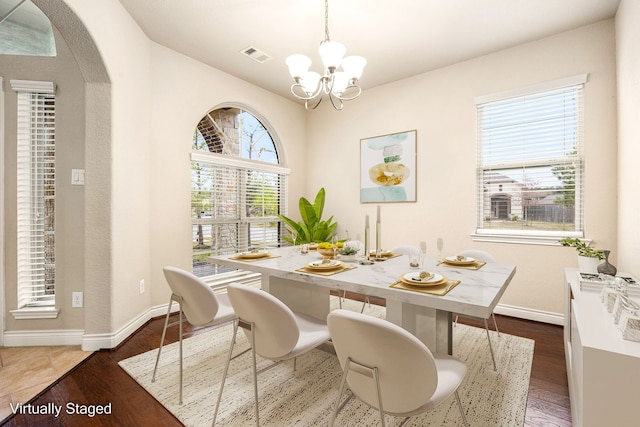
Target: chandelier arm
<point x="307" y="97"/>
<point x="349" y="98"/>
<point x="306" y="104"/>
<point x="333" y="99"/>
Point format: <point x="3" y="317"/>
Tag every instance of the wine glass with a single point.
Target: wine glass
<point x="423" y="253"/>
<point x="294" y="237"/>
<point x="440" y="245"/>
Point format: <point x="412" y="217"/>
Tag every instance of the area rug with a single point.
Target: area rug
<point x="305" y="397"/>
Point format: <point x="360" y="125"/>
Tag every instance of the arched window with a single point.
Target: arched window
<point x="238" y="187"/>
<point x="25" y="30"/>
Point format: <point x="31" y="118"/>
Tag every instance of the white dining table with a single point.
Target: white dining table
<point x="427" y="316"/>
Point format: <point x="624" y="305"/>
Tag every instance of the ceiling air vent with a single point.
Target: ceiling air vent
<point x="255" y="54"/>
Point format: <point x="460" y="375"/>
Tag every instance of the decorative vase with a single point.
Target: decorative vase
<point x="606" y="267"/>
<point x="588" y="264"/>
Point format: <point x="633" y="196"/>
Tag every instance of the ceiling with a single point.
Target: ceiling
<point x="399" y="38"/>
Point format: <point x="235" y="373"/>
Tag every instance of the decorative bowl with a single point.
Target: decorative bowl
<point x="326" y="253"/>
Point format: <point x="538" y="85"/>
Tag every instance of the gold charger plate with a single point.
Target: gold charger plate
<point x="409" y="279"/>
<point x="252" y="255"/>
<point x="454" y="261"/>
<point x="323" y="266"/>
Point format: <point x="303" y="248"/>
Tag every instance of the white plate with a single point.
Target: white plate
<point x="319" y="265"/>
<point x="414" y="279"/>
<point x="455" y="260"/>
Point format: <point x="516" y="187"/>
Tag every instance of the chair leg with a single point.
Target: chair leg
<point x="164" y="332"/>
<point x="226" y="370"/>
<point x="486" y="328"/>
<point x="455" y="322"/>
<point x="339" y="406"/>
<point x="364" y="303"/>
<point x="493" y="316"/>
<point x="255" y="376"/>
<point x="464" y="418"/>
<point x="379" y="392"/>
<point x="180" y="328"/>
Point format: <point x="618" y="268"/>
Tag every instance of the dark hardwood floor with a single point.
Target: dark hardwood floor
<point x="100" y="381"/>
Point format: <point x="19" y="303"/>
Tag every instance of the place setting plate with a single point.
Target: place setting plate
<point x="431" y="279"/>
<point x="460" y="260"/>
<point x="252" y="255"/>
<point x="322" y="265"/>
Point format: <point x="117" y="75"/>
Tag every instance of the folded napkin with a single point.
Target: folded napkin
<point x="441" y="290"/>
<point x="475" y="266"/>
<point x="241" y="258"/>
<point x="326" y="273"/>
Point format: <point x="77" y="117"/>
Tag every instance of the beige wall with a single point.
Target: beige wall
<point x="440" y="106"/>
<point x="185" y="91"/>
<point x="139" y="125"/>
<point x="137" y="128"/>
<point x="63" y="71"/>
<point x="627" y="36"/>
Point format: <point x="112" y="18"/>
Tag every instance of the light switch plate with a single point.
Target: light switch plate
<point x="77" y="176"/>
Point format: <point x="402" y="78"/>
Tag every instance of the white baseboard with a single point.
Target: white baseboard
<point x="43" y="338"/>
<point x="88" y="342"/>
<point x="529" y="314"/>
<point x="94" y="342"/>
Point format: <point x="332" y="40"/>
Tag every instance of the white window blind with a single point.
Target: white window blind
<point x="530" y="163"/>
<point x="234" y="205"/>
<point x="36" y="194"/>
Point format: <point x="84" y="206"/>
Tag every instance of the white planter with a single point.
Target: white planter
<point x="588" y="264"/>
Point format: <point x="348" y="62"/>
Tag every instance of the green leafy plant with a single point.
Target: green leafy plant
<point x="583" y="249"/>
<point x="312" y="228"/>
<point x="348" y="250"/>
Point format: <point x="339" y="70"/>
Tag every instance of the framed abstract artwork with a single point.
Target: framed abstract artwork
<point x="388" y="168"/>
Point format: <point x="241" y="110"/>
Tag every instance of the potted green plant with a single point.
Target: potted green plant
<point x="588" y="257"/>
<point x="312" y="228"/>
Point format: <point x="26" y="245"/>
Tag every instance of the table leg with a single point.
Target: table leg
<point x="299" y="296"/>
<point x="432" y="327"/>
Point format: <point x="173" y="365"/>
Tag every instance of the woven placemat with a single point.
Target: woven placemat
<point x="441" y="290"/>
<point x="327" y="273"/>
<point x="475" y="266"/>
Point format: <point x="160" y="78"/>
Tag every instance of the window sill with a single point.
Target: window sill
<point x="517" y="239"/>
<point x="35" y="313"/>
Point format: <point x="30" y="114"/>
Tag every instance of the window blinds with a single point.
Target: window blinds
<point x="234" y="205"/>
<point x="36" y="198"/>
<point x="530" y="162"/>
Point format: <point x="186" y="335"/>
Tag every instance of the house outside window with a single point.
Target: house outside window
<point x="531" y="160"/>
<point x="238" y="188"/>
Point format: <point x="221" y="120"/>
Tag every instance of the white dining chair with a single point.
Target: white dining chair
<point x="389" y="369"/>
<point x="483" y="256"/>
<point x="197" y="303"/>
<point x="406" y="250"/>
<point x="273" y="330"/>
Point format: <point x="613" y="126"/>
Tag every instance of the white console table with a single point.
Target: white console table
<point x="603" y="369"/>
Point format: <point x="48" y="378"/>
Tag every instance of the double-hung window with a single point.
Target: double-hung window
<point x="237" y="190"/>
<point x="530" y="162"/>
<point x="36" y="189"/>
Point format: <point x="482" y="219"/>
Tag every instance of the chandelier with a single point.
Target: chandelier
<point x="338" y="85"/>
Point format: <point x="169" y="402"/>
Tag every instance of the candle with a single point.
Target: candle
<point x="366" y="236"/>
<point x="378" y="233"/>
